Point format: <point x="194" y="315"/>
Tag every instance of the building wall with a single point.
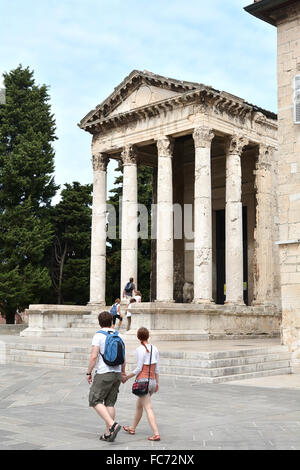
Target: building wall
<point x="289" y="177"/>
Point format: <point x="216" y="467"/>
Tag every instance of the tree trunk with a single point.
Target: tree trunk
<point x="61" y="269"/>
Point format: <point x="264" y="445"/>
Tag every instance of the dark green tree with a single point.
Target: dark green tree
<point x="144" y="245"/>
<point x="70" y="252"/>
<point x="27" y="131"/>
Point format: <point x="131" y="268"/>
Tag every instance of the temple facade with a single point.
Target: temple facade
<point x="215" y="163"/>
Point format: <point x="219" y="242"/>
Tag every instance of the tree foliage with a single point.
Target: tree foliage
<point x="70" y="252"/>
<point x="27" y="131"/>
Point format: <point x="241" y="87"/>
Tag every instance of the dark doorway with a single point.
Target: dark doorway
<point x="220" y="255"/>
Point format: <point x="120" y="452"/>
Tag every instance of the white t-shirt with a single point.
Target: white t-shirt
<point x="138" y="298"/>
<point x="99" y="340"/>
<point x="142" y="357"/>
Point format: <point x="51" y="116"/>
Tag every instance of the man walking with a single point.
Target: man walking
<point x="107" y="379"/>
<point x="129" y="289"/>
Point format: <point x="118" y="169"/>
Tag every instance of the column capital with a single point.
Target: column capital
<point x="129" y="155"/>
<point x="100" y="161"/>
<point x="203" y="136"/>
<point x="165" y="146"/>
<point x="235" y="144"/>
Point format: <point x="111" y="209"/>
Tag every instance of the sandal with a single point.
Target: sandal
<point x="129" y="430"/>
<point x="155" y="437"/>
<point x="113" y="432"/>
<point x="104" y="437"/>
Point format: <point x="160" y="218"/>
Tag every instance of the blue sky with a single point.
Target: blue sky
<point x="83" y="49"/>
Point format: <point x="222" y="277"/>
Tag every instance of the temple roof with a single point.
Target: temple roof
<point x="142" y="89"/>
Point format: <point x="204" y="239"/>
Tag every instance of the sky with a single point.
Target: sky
<point x="83" y="49"/>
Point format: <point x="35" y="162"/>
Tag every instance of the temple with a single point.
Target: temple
<point x="214" y="156"/>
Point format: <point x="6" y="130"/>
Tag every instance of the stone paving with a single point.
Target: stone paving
<point x="46" y="408"/>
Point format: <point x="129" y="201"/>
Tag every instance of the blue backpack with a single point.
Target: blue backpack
<point x="114" y="351"/>
<point x="128" y="287"/>
<point x="114" y="311"/>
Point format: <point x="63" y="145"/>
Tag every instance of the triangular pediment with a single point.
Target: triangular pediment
<point x="143" y="96"/>
<point x="135" y="91"/>
<point x="143" y="89"/>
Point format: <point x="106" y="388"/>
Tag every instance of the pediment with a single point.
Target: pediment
<point x="143" y="89"/>
<point x="137" y="90"/>
<point x="143" y="96"/>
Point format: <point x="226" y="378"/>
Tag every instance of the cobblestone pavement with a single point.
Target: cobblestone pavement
<point x="46" y="408"/>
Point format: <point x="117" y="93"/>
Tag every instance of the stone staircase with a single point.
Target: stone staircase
<point x="204" y="367"/>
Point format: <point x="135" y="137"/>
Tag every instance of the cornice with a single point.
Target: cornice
<point x="204" y="99"/>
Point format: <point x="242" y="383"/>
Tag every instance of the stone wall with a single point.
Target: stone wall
<point x="12" y="329"/>
<point x="212" y="320"/>
<point x="289" y="177"/>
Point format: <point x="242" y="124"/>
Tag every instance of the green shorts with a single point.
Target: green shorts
<point x="105" y="389"/>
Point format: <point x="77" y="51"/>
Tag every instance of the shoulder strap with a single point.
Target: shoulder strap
<point x="150" y="363"/>
<point x="103" y="332"/>
<point x="106" y="333"/>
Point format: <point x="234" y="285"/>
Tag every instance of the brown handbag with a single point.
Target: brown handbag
<point x="141" y="388"/>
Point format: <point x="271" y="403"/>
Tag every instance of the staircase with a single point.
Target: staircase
<point x="204" y="367"/>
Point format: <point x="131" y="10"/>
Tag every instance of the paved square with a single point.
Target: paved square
<point x="46" y="408"/>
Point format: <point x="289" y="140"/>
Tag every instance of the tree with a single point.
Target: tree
<point x="70" y="252"/>
<point x="144" y="245"/>
<point x="27" y="130"/>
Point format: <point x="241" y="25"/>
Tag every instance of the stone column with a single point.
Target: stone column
<point x="263" y="266"/>
<point x="202" y="216"/>
<point x="98" y="242"/>
<point x="165" y="263"/>
<point x="234" y="221"/>
<point x="153" y="237"/>
<point x="129" y="235"/>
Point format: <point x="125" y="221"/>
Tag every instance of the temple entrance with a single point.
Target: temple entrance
<point x="220" y="256"/>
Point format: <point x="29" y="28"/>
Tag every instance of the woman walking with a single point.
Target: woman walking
<point x="143" y="354"/>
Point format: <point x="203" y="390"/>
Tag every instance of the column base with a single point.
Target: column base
<point x="237" y="303"/>
<point x="258" y="303"/>
<point x="203" y="301"/>
<point x="96" y="304"/>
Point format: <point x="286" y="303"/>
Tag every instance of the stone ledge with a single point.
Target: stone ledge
<point x="12" y="329"/>
<point x="58" y="309"/>
<point x="208" y="309"/>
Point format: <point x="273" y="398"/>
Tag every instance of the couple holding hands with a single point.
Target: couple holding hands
<point x="107" y="379"/>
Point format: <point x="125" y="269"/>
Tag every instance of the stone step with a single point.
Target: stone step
<point x="222" y="354"/>
<point x="88" y="332"/>
<point x="228" y="378"/>
<point x="158" y="335"/>
<point x="205" y="366"/>
<point x="184" y="370"/>
<point x="226" y="362"/>
<point x="172" y="355"/>
<point x="202" y="375"/>
<point x="165" y="360"/>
